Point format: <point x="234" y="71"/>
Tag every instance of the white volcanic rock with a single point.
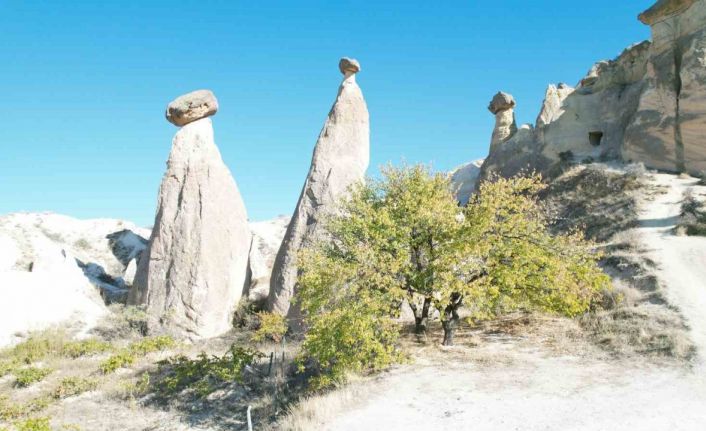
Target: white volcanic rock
<point x="55" y="292"/>
<point x="191" y="107"/>
<point x="266" y="241"/>
<point x="29" y="234"/>
<point x="194" y="270"/>
<point x="463" y="180"/>
<point x="341" y="157"/>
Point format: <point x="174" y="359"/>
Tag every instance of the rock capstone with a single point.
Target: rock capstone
<point x="191" y="107"/>
<point x="340" y="159"/>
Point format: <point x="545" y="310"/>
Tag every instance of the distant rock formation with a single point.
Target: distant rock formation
<point x="648" y="105"/>
<point x="463" y="180"/>
<point x="266" y="241"/>
<point x="194" y="270"/>
<point x="341" y="157"/>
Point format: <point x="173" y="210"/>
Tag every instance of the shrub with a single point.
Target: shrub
<point x="205" y="373"/>
<point x="88" y="347"/>
<point x="152" y="344"/>
<point x="121" y="359"/>
<point x="272" y="326"/>
<point x="71" y="386"/>
<point x="26" y="376"/>
<point x="126" y="357"/>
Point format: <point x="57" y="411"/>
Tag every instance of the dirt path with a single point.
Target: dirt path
<point x="533" y="393"/>
<point x="681" y="260"/>
<point x="536" y="390"/>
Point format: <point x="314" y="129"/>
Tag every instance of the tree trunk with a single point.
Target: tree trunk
<point x="421" y="320"/>
<point x="450" y="322"/>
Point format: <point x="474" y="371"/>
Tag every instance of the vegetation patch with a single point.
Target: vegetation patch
<point x="33" y="424"/>
<point x="271" y="326"/>
<point x="692" y="218"/>
<point x="25" y="377"/>
<point x="205" y="373"/>
<point x="128" y="356"/>
<point x="71" y="386"/>
<point x="596" y="199"/>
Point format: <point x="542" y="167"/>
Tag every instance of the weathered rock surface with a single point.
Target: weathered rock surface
<point x="668" y="129"/>
<point x="266" y="241"/>
<point x="191" y="107"/>
<point x="194" y="270"/>
<point x="463" y="180"/>
<point x="341" y="157"/>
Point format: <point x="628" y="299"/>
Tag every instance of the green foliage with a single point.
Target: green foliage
<point x="205" y="373"/>
<point x="403" y="237"/>
<point x="33" y="424"/>
<point x="152" y="344"/>
<point x="88" y="347"/>
<point x="71" y="386"/>
<point x="26" y="376"/>
<point x="272" y="326"/>
<point x="36" y="347"/>
<point x="131" y="389"/>
<point x="122" y="359"/>
<point x="129" y="355"/>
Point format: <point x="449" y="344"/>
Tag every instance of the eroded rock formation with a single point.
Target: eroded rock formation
<point x="341" y="157"/>
<point x="194" y="270"/>
<point x="648" y="105"/>
<point x="669" y="126"/>
<point x="503" y="107"/>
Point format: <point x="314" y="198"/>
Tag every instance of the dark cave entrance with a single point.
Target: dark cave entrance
<point x="595" y="138"/>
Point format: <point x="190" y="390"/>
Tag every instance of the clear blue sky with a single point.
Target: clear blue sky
<point x="85" y="83"/>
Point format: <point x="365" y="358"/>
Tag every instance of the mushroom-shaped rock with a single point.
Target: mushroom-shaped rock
<point x="191" y="107"/>
<point x="340" y="159"/>
<point x="348" y="65"/>
<point x="501" y="102"/>
<point x="194" y="270"/>
<point x="502" y="106"/>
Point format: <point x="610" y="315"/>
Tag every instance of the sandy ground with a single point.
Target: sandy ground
<point x="536" y="390"/>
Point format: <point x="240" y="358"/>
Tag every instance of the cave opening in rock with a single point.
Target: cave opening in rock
<point x="595" y="138"/>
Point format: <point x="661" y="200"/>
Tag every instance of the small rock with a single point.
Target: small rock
<point x="349" y="65"/>
<point x="192" y="106"/>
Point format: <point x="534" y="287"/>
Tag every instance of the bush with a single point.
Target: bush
<point x="88" y="347"/>
<point x="26" y="376"/>
<point x="71" y="386"/>
<point x="271" y="326"/>
<point x="126" y="357"/>
<point x="204" y="374"/>
<point x="121" y="359"/>
<point x="692" y="220"/>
